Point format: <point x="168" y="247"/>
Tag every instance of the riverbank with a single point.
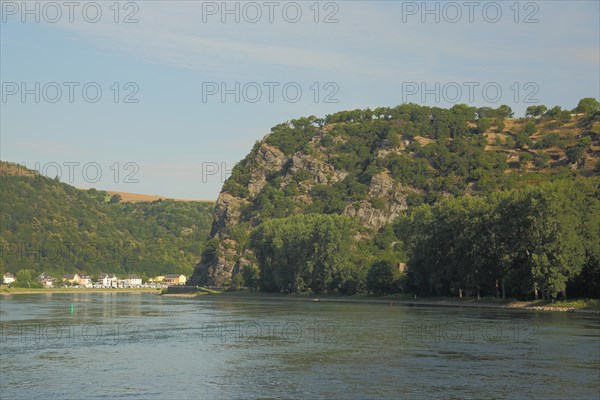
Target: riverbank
<point x="5" y="291"/>
<point x="583" y="306"/>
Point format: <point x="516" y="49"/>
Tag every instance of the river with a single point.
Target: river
<point x="144" y="346"/>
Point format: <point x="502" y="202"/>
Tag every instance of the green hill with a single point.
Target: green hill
<point x="373" y="168"/>
<point x="49" y="226"/>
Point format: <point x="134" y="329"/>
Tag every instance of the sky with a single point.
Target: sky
<point x="164" y="97"/>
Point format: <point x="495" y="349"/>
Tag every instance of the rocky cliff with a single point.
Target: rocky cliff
<point x="373" y="165"/>
<point x="268" y="162"/>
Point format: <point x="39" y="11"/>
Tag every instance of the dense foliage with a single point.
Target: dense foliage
<point x="537" y="240"/>
<point x="53" y="227"/>
<point x="305" y="252"/>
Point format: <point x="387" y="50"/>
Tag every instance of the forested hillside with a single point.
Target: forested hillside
<point x="378" y="167"/>
<point x="49" y="226"/>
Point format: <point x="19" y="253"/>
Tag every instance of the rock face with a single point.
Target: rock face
<point x="268" y="160"/>
<point x="218" y="269"/>
<point x="383" y="187"/>
<point x="223" y="266"/>
<point x="227" y="214"/>
<point x="321" y="172"/>
<point x="268" y="166"/>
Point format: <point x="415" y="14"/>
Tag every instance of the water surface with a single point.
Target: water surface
<point x="135" y="345"/>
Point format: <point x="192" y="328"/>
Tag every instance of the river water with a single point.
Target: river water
<point x="144" y="346"/>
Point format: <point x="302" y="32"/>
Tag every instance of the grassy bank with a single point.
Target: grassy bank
<point x="5" y="290"/>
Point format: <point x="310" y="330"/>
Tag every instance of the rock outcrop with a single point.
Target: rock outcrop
<point x="370" y="165"/>
<point x="268" y="166"/>
<point x="227" y="214"/>
<point x="393" y="195"/>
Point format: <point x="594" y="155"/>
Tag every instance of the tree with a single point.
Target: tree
<point x="532" y="240"/>
<point x="251" y="275"/>
<point x="383" y="278"/>
<point x="510" y="142"/>
<point x="564" y="116"/>
<point x="525" y="158"/>
<point x="530" y="128"/>
<point x="483" y="124"/>
<point x="555" y="248"/>
<point x="115" y="198"/>
<point x="522" y="139"/>
<point x="541" y="229"/>
<point x="237" y="282"/>
<point x="535" y="111"/>
<point x="500" y="125"/>
<point x="486" y="112"/>
<point x="550" y="140"/>
<point x="554" y="112"/>
<point x="25" y="279"/>
<point x="585" y="141"/>
<point x="574" y="153"/>
<point x="505" y="111"/>
<point x="541" y="159"/>
<point x="588" y="105"/>
<point x="303" y="252"/>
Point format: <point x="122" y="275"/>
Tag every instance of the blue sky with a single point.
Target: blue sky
<point x="177" y="50"/>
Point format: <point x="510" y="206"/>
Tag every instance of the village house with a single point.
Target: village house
<point x="85" y="280"/>
<point x="8" y="278"/>
<point x="175" y="279"/>
<point x="46" y="280"/>
<point x="157" y="279"/>
<point x="71" y="278"/>
<point x="133" y="280"/>
<point x="107" y="280"/>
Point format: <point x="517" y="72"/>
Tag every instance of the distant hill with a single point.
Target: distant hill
<point x="50" y="226"/>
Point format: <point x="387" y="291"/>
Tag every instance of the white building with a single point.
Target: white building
<point x="8" y="278"/>
<point x="85" y="280"/>
<point x="133" y="280"/>
<point x="107" y="280"/>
